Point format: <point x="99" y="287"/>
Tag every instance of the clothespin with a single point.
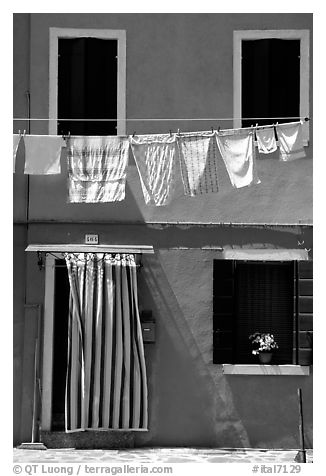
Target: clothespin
<point x="218" y="129"/>
<point x="24" y="133"/>
<point x="134" y="134"/>
<point x="170" y="133"/>
<point x="178" y="131"/>
<point x="212" y="129"/>
<point x="66" y="137"/>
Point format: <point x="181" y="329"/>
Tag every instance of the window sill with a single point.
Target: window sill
<point x="245" y="369"/>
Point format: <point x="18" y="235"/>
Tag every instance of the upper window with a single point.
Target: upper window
<point x="87" y="86"/>
<point x="271" y="77"/>
<point x="87" y="81"/>
<point x="268" y="297"/>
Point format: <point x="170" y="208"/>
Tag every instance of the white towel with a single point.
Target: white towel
<point x="266" y="140"/>
<point x="42" y="154"/>
<point x="198" y="162"/>
<point x="154" y="155"/>
<point x="97" y="168"/>
<point x="16" y="140"/>
<point x="238" y="152"/>
<point x="290" y="141"/>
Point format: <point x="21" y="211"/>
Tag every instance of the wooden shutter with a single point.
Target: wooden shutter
<point x="304" y="312"/>
<point x="223" y="311"/>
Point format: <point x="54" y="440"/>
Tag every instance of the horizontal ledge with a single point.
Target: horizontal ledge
<point x="80" y="248"/>
<point x="61" y="221"/>
<point x="246" y="369"/>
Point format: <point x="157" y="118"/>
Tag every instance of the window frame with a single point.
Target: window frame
<point x="55" y="35"/>
<point x="295" y="255"/>
<point x="303" y="36"/>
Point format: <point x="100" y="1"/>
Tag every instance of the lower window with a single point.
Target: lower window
<point x="267" y="297"/>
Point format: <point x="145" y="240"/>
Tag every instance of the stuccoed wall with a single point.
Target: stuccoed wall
<point x="177" y="66"/>
<point x="190" y="401"/>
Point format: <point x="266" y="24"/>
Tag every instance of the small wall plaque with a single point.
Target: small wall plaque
<point x="91" y="239"/>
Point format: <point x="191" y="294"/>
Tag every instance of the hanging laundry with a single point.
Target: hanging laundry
<point x="16" y="140"/>
<point x="42" y="154"/>
<point x="238" y="152"/>
<point x="266" y="140"/>
<point x="155" y="158"/>
<point x="198" y="162"/>
<point x="290" y="140"/>
<point x="97" y="168"/>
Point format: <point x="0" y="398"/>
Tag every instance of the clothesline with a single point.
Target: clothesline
<point x="158" y="119"/>
<point x="97" y="165"/>
<point x="219" y="130"/>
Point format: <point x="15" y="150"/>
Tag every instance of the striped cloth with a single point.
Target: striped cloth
<point x="198" y="162"/>
<point x="106" y="386"/>
<point x="97" y="168"/>
<point x="154" y="155"/>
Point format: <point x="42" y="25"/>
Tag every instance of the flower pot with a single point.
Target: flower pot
<point x="265" y="357"/>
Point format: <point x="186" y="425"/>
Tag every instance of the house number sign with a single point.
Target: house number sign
<point x="91" y="239"/>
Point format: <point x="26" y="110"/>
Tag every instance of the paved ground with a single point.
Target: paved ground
<point x="157" y="455"/>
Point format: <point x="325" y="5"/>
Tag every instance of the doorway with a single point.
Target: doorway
<point x="60" y="344"/>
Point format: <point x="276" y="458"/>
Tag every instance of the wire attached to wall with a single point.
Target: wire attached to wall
<point x="159" y="119"/>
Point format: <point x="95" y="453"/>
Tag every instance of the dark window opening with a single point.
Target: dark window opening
<point x="252" y="297"/>
<point x="87" y="86"/>
<point x="264" y="303"/>
<point x="60" y="345"/>
<point x="270" y="81"/>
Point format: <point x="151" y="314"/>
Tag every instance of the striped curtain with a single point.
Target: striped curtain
<point x="106" y="386"/>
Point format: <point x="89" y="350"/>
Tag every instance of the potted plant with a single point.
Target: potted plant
<point x="263" y="346"/>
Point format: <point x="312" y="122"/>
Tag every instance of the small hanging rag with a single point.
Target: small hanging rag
<point x="42" y="154"/>
<point x="290" y="138"/>
<point x="154" y="155"/>
<point x="266" y="140"/>
<point x="97" y="168"/>
<point x="198" y="162"/>
<point x="238" y="152"/>
<point x="16" y="141"/>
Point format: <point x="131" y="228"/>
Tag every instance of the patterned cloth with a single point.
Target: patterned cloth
<point x="238" y="152"/>
<point x="42" y="154"/>
<point x="290" y="141"/>
<point x="16" y="140"/>
<point x="198" y="162"/>
<point x="266" y="140"/>
<point x="97" y="168"/>
<point x="155" y="158"/>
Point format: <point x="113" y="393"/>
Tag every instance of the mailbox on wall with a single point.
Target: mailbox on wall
<point x="147" y="326"/>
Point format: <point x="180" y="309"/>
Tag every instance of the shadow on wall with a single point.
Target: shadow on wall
<point x="186" y="404"/>
<point x="191" y="403"/>
<point x="268" y="409"/>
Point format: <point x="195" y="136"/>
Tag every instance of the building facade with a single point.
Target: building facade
<point x="169" y="72"/>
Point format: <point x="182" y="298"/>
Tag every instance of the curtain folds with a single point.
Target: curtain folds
<point x="106" y="386"/>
